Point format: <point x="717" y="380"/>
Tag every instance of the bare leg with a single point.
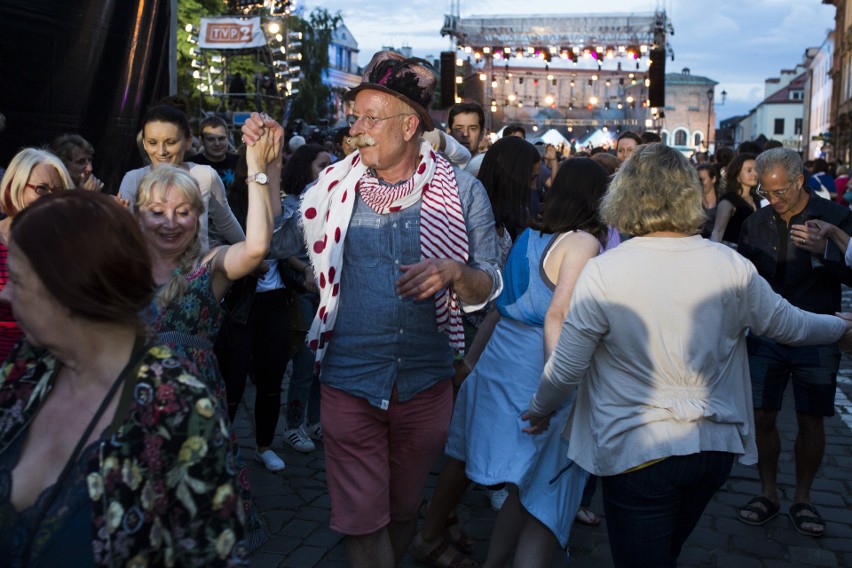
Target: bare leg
<point x="401" y="534"/>
<point x="507" y="529"/>
<point x="535" y="545"/>
<point x="452" y="483"/>
<point x="372" y="550"/>
<point x="810" y="447"/>
<point x="768" y="450"/>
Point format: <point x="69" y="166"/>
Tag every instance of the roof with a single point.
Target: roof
<point x="783" y="95"/>
<point x="688" y="79"/>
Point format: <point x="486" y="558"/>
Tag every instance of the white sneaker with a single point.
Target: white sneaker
<point x="299" y="440"/>
<point x="314" y="431"/>
<point x="498" y="497"/>
<point x="271" y="460"/>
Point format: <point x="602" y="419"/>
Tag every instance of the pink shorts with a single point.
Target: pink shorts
<point x="377" y="461"/>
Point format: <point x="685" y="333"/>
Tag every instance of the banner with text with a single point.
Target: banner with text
<point x="231" y="33"/>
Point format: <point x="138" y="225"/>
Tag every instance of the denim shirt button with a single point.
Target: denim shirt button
<point x="400" y="330"/>
<point x="394" y="225"/>
<point x="396" y="261"/>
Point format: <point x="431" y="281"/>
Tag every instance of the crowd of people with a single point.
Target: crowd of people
<point x="545" y="320"/>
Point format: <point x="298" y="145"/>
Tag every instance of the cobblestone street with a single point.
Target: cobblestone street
<point x="295" y="507"/>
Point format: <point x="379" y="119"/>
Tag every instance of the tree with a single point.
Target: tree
<point x="190" y="12"/>
<point x="312" y="101"/>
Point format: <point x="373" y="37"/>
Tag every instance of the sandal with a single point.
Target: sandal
<point x="805" y="514"/>
<point x="457" y="536"/>
<point x="762" y="507"/>
<point x="587" y="517"/>
<point x="445" y="555"/>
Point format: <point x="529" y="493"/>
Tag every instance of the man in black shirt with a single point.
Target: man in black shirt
<point x="216" y="154"/>
<point x="807" y="271"/>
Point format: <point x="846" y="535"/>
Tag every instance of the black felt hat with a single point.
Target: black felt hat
<point x="410" y="79"/>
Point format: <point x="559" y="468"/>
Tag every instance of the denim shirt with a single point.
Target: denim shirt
<point x="382" y="340"/>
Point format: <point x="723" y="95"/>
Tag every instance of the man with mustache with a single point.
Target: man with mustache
<point x="401" y="243"/>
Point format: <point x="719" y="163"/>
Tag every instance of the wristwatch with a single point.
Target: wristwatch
<point x="259" y="177"/>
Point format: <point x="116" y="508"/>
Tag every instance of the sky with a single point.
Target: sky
<point x="738" y="43"/>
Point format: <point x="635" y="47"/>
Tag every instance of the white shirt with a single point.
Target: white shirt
<point x="655" y="337"/>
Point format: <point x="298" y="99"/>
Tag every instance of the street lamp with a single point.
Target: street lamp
<point x="709" y="112"/>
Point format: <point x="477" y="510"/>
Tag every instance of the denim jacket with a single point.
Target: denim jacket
<point x="382" y="340"/>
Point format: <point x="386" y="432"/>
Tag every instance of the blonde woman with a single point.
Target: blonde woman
<point x="31" y="174"/>
<point x="185" y="314"/>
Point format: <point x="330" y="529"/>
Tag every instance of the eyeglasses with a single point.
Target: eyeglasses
<point x="370" y="122"/>
<point x="43" y="188"/>
<point x="780" y="193"/>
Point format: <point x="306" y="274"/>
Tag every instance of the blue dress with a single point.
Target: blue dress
<point x="485" y="431"/>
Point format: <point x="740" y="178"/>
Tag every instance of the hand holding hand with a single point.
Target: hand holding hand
<point x="267" y="146"/>
<point x="426" y="278"/>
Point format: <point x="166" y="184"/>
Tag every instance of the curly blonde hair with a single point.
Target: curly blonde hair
<point x="154" y="186"/>
<point x="655" y="190"/>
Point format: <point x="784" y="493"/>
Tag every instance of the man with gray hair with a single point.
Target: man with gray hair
<point x="783" y="241"/>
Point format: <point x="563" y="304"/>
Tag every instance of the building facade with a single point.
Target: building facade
<point x="688" y="122"/>
<point x="343" y="71"/>
<point x="818" y="95"/>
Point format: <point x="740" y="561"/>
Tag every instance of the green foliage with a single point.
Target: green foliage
<point x="312" y="101"/>
<point x="191" y="12"/>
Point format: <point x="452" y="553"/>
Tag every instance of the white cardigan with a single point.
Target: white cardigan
<point x="211" y="186"/>
<point x="655" y="337"/>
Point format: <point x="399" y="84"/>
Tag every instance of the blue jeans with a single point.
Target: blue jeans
<point x="303" y="394"/>
<point x="651" y="512"/>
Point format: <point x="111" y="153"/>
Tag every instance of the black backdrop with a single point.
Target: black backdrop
<point x="85" y="66"/>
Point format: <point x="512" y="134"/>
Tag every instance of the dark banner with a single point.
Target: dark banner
<point x="84" y="66"/>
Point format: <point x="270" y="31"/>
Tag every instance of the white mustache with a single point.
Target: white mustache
<point x="361" y="141"/>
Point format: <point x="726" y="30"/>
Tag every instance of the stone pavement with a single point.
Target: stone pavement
<point x="295" y="506"/>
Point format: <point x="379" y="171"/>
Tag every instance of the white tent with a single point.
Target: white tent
<point x="553" y="137"/>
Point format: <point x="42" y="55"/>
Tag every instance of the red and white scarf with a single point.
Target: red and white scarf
<point x="327" y="209"/>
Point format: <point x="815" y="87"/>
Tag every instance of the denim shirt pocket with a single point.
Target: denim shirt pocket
<point x="362" y="240"/>
<point x="411" y="253"/>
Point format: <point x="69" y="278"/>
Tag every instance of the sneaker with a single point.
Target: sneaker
<point x="271" y="460"/>
<point x="498" y="497"/>
<point x="299" y="440"/>
<point x="314" y="431"/>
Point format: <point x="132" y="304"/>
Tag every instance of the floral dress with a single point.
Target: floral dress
<point x="159" y="488"/>
<point x="189" y="326"/>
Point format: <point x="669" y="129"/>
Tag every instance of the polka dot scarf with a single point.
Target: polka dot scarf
<point x="327" y="209"/>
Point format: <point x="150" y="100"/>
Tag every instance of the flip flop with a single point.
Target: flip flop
<point x="760" y="506"/>
<point x="799" y="520"/>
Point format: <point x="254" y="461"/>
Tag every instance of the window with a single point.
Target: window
<point x="665" y="137"/>
<point x="797" y="95"/>
<point x="779" y="126"/>
<point x="680" y="138"/>
<point x="797" y="128"/>
<point x="697" y="139"/>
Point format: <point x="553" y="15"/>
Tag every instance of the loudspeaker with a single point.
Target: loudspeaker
<point x="448" y="79"/>
<point x="657" y="78"/>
